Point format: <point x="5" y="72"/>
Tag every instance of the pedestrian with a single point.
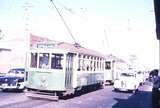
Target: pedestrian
<point x="156" y="92"/>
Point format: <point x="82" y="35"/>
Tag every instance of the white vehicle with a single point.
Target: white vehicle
<point x="126" y="82"/>
<point x="141" y="77"/>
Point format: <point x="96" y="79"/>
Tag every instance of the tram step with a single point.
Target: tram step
<point x="42" y="96"/>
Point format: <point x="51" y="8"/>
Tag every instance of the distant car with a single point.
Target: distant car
<point x="140" y="77"/>
<point x="13" y="79"/>
<point x="126" y="82"/>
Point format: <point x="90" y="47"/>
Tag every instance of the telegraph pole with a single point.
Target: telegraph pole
<point x="27" y="5"/>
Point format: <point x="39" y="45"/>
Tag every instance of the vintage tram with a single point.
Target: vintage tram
<point x="57" y="68"/>
<point x="114" y="66"/>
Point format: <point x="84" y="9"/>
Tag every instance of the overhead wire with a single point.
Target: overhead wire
<point x="63" y="20"/>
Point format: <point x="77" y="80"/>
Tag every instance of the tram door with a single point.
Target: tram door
<point x="69" y="70"/>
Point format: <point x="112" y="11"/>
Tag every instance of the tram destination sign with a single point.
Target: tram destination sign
<point x="46" y="45"/>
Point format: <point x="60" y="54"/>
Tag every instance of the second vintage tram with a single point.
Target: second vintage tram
<point x="55" y="69"/>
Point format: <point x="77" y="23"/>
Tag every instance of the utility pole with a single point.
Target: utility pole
<point x="27" y="5"/>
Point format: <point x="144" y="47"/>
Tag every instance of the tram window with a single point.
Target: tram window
<point x="84" y="56"/>
<point x="108" y="65"/>
<point x="91" y="65"/>
<point x="83" y="65"/>
<point x="44" y="60"/>
<point x="94" y="68"/>
<point x="56" y="61"/>
<point x="97" y="64"/>
<point x="79" y="64"/>
<point x="33" y="63"/>
<point x="102" y="65"/>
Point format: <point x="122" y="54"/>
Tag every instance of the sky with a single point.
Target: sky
<point x="122" y="27"/>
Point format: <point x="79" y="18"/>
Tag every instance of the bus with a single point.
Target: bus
<point x="58" y="69"/>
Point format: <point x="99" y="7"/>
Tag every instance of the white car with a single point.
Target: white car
<point x="126" y="82"/>
<point x="141" y="77"/>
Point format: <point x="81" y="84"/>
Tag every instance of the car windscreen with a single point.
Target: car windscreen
<point x="16" y="71"/>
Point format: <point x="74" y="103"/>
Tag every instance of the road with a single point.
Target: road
<point x="102" y="98"/>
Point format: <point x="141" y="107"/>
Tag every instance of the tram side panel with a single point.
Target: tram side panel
<point x="90" y="70"/>
<point x="61" y="75"/>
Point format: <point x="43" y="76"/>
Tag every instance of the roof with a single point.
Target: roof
<point x="112" y="57"/>
<point x="76" y="48"/>
<point x="35" y="39"/>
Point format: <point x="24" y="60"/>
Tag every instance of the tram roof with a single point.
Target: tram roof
<point x="78" y="49"/>
<point x="116" y="59"/>
<point x="73" y="48"/>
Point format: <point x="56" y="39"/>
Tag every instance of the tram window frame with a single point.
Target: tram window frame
<point x="33" y="61"/>
<point x="56" y="61"/>
<point x="44" y="60"/>
<point x="91" y="65"/>
<point x="108" y="65"/>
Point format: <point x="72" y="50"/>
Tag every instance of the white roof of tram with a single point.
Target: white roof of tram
<point x="41" y="43"/>
<point x="75" y="48"/>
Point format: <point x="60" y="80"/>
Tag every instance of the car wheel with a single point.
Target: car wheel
<point x="115" y="89"/>
<point x="135" y="89"/>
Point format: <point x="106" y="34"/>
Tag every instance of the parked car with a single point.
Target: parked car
<point x="126" y="82"/>
<point x="141" y="77"/>
<point x="13" y="79"/>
